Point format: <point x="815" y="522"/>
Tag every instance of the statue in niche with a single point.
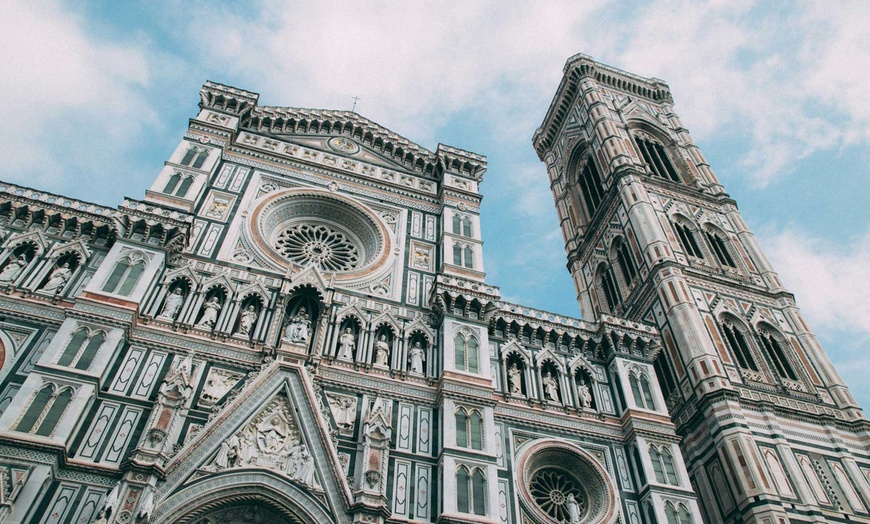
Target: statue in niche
<point x="173" y="304"/>
<point x="551" y="387"/>
<point x="13" y="268"/>
<point x="346" y="344"/>
<point x="58" y="279"/>
<point x="101" y="518"/>
<point x="299" y="328"/>
<point x="417" y="355"/>
<point x="382" y="352"/>
<point x="573" y="509"/>
<point x="177" y="384"/>
<point x="584" y="395"/>
<point x="514" y="376"/>
<point x="249" y="317"/>
<point x="210" y="313"/>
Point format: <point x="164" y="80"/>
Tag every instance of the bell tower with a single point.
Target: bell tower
<point x="770" y="432"/>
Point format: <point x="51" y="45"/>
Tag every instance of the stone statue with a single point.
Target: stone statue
<point x="13" y="268"/>
<point x="101" y="518"/>
<point x="146" y="507"/>
<point x="551" y="388"/>
<point x="573" y="509"/>
<point x="216" y="386"/>
<point x="173" y="305"/>
<point x="113" y="498"/>
<point x="299" y="328"/>
<point x="343" y="411"/>
<point x="382" y="352"/>
<point x="247" y="449"/>
<point x="210" y="313"/>
<point x="417" y="356"/>
<point x="58" y="279"/>
<point x="302" y="465"/>
<point x="249" y="317"/>
<point x="584" y="395"/>
<point x="228" y="454"/>
<point x="346" y="344"/>
<point x="514" y="380"/>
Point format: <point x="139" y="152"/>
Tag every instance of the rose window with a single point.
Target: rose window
<point x="318" y="244"/>
<point x="559" y="482"/>
<point x="550" y="488"/>
<point x="314" y="228"/>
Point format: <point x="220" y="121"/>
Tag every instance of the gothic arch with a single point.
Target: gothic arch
<point x="259" y="487"/>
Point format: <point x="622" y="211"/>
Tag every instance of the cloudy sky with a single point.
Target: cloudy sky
<point x="95" y="97"/>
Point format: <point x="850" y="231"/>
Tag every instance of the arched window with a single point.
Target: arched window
<point x="739" y="346"/>
<point x="45" y="411"/>
<point x="590" y="185"/>
<point x="472" y="355"/>
<point x="200" y="159"/>
<point x="663" y="465"/>
<point x="189" y="156"/>
<point x="184" y="187"/>
<point x="172" y="184"/>
<point x="608" y="287"/>
<point x="777" y="355"/>
<point x="469" y="257"/>
<point x="640" y="390"/>
<point x="719" y="246"/>
<point x="678" y="514"/>
<point x="687" y="239"/>
<point x="459" y="351"/>
<point x="82" y="349"/>
<point x="457" y="254"/>
<point x="463" y="498"/>
<point x="124" y="276"/>
<point x="625" y="260"/>
<point x="656" y="157"/>
<point x="457" y="224"/>
<point x="478" y="489"/>
<point x="466" y="227"/>
<point x="469" y="429"/>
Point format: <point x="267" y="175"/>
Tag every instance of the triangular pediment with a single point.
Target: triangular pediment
<point x="271" y="431"/>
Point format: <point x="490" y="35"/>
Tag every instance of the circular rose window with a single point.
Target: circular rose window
<point x="561" y="483"/>
<point x="313" y="228"/>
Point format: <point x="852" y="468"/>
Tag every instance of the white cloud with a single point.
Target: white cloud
<point x="67" y="96"/>
<point x="829" y="281"/>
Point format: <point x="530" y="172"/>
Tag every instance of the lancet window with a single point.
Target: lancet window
<point x="663" y="465"/>
<point x="624" y="258"/>
<point x="194" y="157"/>
<point x="466" y="353"/>
<point x="178" y="185"/>
<point x="607" y="285"/>
<point x="463" y="255"/>
<point x="469" y="429"/>
<point x="81" y="349"/>
<point x="125" y="275"/>
<point x="462" y="225"/>
<point x="470" y="491"/>
<point x="45" y="410"/>
<point x="678" y="514"/>
<point x="640" y="390"/>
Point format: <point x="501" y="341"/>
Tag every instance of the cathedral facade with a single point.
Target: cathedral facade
<point x="294" y="325"/>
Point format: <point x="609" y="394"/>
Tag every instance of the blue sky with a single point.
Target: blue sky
<point x="97" y="95"/>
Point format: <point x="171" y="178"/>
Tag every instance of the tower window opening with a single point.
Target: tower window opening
<point x="666" y="379"/>
<point x="739" y="346"/>
<point x="625" y="261"/>
<point x="657" y="159"/>
<point x="591" y="186"/>
<point x="778" y="357"/>
<point x="608" y="287"/>
<point x="688" y="241"/>
<point x="720" y="249"/>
